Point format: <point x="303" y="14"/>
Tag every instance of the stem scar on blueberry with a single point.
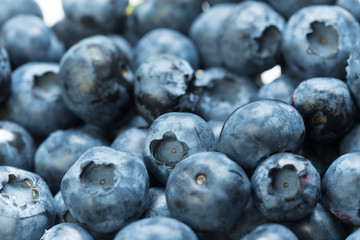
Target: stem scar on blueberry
<point x="34" y="191"/>
<point x="319" y="120"/>
<point x="200" y="179"/>
<point x="88" y="171"/>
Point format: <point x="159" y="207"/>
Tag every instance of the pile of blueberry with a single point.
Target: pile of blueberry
<point x="153" y="121"/>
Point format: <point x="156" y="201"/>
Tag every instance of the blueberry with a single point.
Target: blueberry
<point x="353" y="74"/>
<point x="222" y="93"/>
<point x="317" y="41"/>
<point x="351" y="141"/>
<point x="340" y="188"/>
<point x="17" y="147"/>
<point x="36" y="100"/>
<point x="27" y="206"/>
<point x="271" y="231"/>
<point x="159" y="228"/>
<point x="254" y="29"/>
<point x="62" y="213"/>
<point x="174" y="14"/>
<point x="173" y="137"/>
<point x="353" y="6"/>
<point x="289" y="7"/>
<point x="5" y="75"/>
<point x="66" y="231"/>
<point x="285" y="187"/>
<point x="38" y="42"/>
<point x="59" y="152"/>
<point x="10" y="8"/>
<point x="326" y="106"/>
<point x="164" y="84"/>
<point x="157" y="205"/>
<point x="123" y="44"/>
<point x="113" y="184"/>
<point x="259" y="129"/>
<point x="216" y="127"/>
<point x="104" y="16"/>
<point x="96" y="77"/>
<point x="205" y="32"/>
<point x="213" y="2"/>
<point x="354" y="236"/>
<point x="131" y="140"/>
<point x="164" y="40"/>
<point x="207" y="191"/>
<point x="320" y="224"/>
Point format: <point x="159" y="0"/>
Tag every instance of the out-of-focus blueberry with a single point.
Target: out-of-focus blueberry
<point x="285" y="187"/>
<point x="271" y="231"/>
<point x="354" y="236"/>
<point x="213" y="2"/>
<point x="351" y="141"/>
<point x="281" y="88"/>
<point x="113" y="185"/>
<point x="157" y="205"/>
<point x="289" y="7"/>
<point x="250" y="219"/>
<point x="59" y="152"/>
<point x="10" y="8"/>
<point x="159" y="228"/>
<point x="38" y="42"/>
<point x="320" y="224"/>
<point x="353" y="6"/>
<point x="5" y="75"/>
<point x="163" y="83"/>
<point x="205" y="32"/>
<point x="66" y="231"/>
<point x="173" y="137"/>
<point x="36" y="100"/>
<point x="17" y="147"/>
<point x="353" y="74"/>
<point x="340" y="188"/>
<point x="222" y="93"/>
<point x="163" y="40"/>
<point x="259" y="129"/>
<point x="104" y="16"/>
<point x="96" y="77"/>
<point x="317" y="41"/>
<point x="326" y="106"/>
<point x="253" y="29"/>
<point x="208" y="191"/>
<point x="174" y="14"/>
<point x="216" y="127"/>
<point x="131" y="140"/>
<point x="27" y="206"/>
<point x="123" y="44"/>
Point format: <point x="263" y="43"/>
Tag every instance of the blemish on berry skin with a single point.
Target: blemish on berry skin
<point x="292" y="102"/>
<point x="306" y="178"/>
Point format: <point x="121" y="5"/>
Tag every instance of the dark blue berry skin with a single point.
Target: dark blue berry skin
<point x="213" y="2"/>
<point x="250" y="219"/>
<point x="106" y="189"/>
<point x="10" y="8"/>
<point x="27" y="206"/>
<point x="96" y="77"/>
<point x="104" y="16"/>
<point x="17" y="147"/>
<point x="281" y="88"/>
<point x="340" y="186"/>
<point x="131" y="140"/>
<point x="205" y="32"/>
<point x="285" y="187"/>
<point x="66" y="231"/>
<point x="271" y="231"/>
<point x="157" y="205"/>
<point x="354" y="236"/>
<point x="353" y="6"/>
<point x="353" y="74"/>
<point x="123" y="44"/>
<point x="164" y="40"/>
<point x="174" y="14"/>
<point x="173" y="137"/>
<point x="317" y="41"/>
<point x="5" y="75"/>
<point x="222" y="93"/>
<point x="320" y="224"/>
<point x="254" y="29"/>
<point x="326" y="106"/>
<point x="288" y="8"/>
<point x="159" y="228"/>
<point x="164" y="84"/>
<point x="207" y="191"/>
<point x="59" y="151"/>
<point x="38" y="42"/>
<point x="350" y="142"/>
<point x="36" y="100"/>
<point x="259" y="129"/>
